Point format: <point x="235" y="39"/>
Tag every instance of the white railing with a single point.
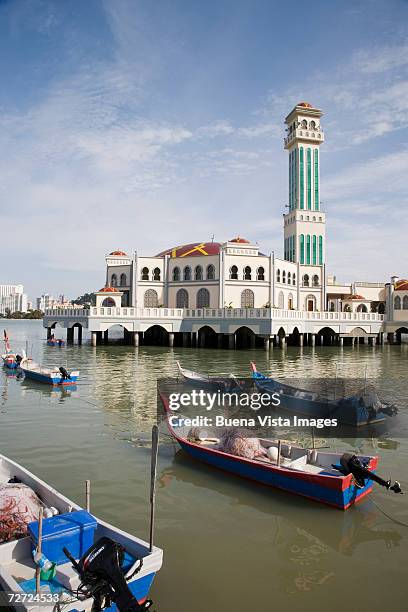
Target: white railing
<point x="213" y="313"/>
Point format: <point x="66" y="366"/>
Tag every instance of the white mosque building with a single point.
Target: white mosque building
<point x="236" y="276"/>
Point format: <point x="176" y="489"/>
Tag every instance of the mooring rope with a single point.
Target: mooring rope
<point x="394" y="520"/>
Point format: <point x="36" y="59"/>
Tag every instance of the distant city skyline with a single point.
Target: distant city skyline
<point x="128" y="125"/>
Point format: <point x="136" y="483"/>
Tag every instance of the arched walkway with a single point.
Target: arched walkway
<point x="245" y="338"/>
<point x="156" y="335"/>
<point x="207" y="337"/>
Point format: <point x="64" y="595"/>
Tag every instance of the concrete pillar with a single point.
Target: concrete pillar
<point x="49" y="332"/>
<point x="252" y="341"/>
<point x="94" y="338"/>
<point x="171" y="339"/>
<point x="136" y="338"/>
<point x="106" y="336"/>
<point x="313" y="339"/>
<point x="193" y="339"/>
<point x="282" y="342"/>
<point x="300" y="339"/>
<point x="231" y="341"/>
<point x="321" y="340"/>
<point x="70" y="335"/>
<point x="341" y="341"/>
<point x="185" y="339"/>
<point x="266" y="344"/>
<point x="272" y="341"/>
<point x="79" y="334"/>
<point x="202" y="340"/>
<point x="366" y="340"/>
<point x="220" y="338"/>
<point x="382" y="338"/>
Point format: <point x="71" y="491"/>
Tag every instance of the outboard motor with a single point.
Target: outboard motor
<point x="102" y="577"/>
<point x="351" y="464"/>
<point x="65" y="375"/>
<point x="19" y="359"/>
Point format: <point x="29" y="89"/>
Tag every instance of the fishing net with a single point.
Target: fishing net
<point x="232" y="441"/>
<point x="19" y="505"/>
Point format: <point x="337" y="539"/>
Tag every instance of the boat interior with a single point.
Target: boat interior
<point x="17" y="567"/>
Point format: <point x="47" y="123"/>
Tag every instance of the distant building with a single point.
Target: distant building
<point x="48" y="301"/>
<point x="12" y="299"/>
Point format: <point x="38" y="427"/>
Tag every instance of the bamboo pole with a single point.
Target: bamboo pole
<point x="153" y="470"/>
<point x="88" y="495"/>
<point x="39" y="549"/>
<point x="279" y="453"/>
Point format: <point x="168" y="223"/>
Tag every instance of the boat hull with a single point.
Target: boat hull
<point x="348" y="411"/>
<point x="336" y="491"/>
<point x="49" y="380"/>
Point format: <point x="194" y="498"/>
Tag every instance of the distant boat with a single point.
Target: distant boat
<point x="229" y="382"/>
<point x="55" y="342"/>
<point x="10" y="360"/>
<point x="357" y="410"/>
<point x="336" y="479"/>
<point x="49" y="376"/>
<point x="124" y="563"/>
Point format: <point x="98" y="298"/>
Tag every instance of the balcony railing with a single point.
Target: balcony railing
<point x="211" y="313"/>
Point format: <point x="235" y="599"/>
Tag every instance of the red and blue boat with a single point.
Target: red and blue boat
<point x="59" y="342"/>
<point x="338" y="480"/>
<point x="50" y="376"/>
<point x="361" y="409"/>
<point x="9" y="358"/>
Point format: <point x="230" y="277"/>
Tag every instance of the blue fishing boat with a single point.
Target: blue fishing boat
<point x="59" y="342"/>
<point x="9" y="358"/>
<point x="82" y="556"/>
<point x="364" y="408"/>
<point x="50" y="376"/>
<point x="338" y="480"/>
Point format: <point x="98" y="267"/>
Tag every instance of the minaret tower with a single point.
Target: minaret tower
<point x="304" y="223"/>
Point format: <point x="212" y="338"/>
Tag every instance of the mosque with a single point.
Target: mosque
<point x="234" y="275"/>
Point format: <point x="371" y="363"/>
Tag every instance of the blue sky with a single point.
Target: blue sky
<point x="142" y="125"/>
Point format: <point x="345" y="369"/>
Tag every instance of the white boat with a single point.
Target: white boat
<point x="51" y="376"/>
<point x="227" y="383"/>
<point x="17" y="568"/>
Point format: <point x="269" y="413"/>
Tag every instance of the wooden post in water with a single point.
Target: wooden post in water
<point x="153" y="470"/>
<point x="279" y="453"/>
<point x="88" y="495"/>
<point x="39" y="549"/>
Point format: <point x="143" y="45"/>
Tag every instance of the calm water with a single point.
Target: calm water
<point x="228" y="545"/>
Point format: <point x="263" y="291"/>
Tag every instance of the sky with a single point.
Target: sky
<point x="141" y="125"/>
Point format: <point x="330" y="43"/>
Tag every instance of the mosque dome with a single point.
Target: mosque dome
<point x="240" y="240"/>
<point x="108" y="289"/>
<point x="194" y="249"/>
<point x="401" y="285"/>
<point x="119" y="254"/>
<point x="356" y="296"/>
<point x="305" y="104"/>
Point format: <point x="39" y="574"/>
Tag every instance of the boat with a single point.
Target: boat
<point x="335" y="479"/>
<point x="50" y="376"/>
<point x="204" y="381"/>
<point x="84" y="537"/>
<point x="361" y="409"/>
<point x="52" y="341"/>
<point x="9" y="358"/>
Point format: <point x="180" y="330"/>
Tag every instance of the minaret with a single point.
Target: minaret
<point x="304" y="224"/>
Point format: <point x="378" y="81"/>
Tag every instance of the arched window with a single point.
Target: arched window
<point x="210" y="272"/>
<point x="123" y="280"/>
<point x="187" y="273"/>
<point x="381" y="308"/>
<point x="247" y="299"/>
<point x="182" y="298"/>
<point x="198" y="273"/>
<point x="176" y="273"/>
<point x="306" y="280"/>
<point x="312" y="125"/>
<point x="151" y="299"/>
<point x="203" y="298"/>
<point x="361" y="308"/>
<point x="234" y="272"/>
<point x="397" y="303"/>
<point x="260" y="274"/>
<point x="284" y="276"/>
<point x="278" y="275"/>
<point x="405" y="302"/>
<point x="145" y="273"/>
<point x="281" y="300"/>
<point x="289" y="277"/>
<point x="294" y="279"/>
<point x="304" y="124"/>
<point x="247" y="273"/>
<point x="347" y="308"/>
<point x="315" y="280"/>
<point x="114" y="280"/>
<point x="290" y="301"/>
<point x="332" y="307"/>
<point x="156" y="274"/>
<point x="108" y="303"/>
